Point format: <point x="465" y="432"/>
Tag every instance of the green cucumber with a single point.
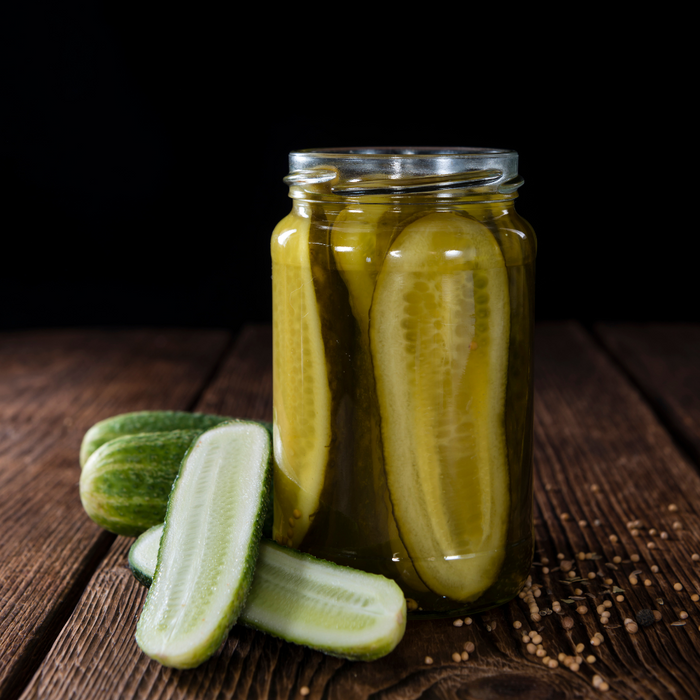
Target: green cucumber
<point x="146" y="422"/>
<point x="304" y="600"/>
<point x="210" y="545"/>
<point x="125" y="484"/>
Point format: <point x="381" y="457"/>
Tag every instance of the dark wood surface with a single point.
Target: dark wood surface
<point x="612" y="408"/>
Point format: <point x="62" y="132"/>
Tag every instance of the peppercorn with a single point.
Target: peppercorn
<point x="645" y="617"/>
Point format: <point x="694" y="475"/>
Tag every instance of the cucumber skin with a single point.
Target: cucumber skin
<point x="147" y="422"/>
<point x="145" y="579"/>
<point x="125" y="484"/>
<point x="150" y="463"/>
<point x="248" y="566"/>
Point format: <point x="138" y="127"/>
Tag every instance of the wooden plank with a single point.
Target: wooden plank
<point x="601" y="457"/>
<point x="53" y="386"/>
<point x="664" y="361"/>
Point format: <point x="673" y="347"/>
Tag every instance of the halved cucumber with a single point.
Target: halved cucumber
<point x="144" y="422"/>
<point x="294" y="596"/>
<point x="439" y="328"/>
<point x="209" y="546"/>
<point x="302" y="396"/>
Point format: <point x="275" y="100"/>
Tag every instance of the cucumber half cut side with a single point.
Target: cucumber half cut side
<point x="209" y="546"/>
<point x="304" y="600"/>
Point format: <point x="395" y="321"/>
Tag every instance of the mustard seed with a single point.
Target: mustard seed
<point x="571" y="574"/>
<point x="582" y="610"/>
<point x="598" y="635"/>
<point x="632" y="627"/>
<point x="458" y="622"/>
<point x="428" y="660"/>
<point x="683" y="615"/>
<point x="583" y="523"/>
<point x="607" y="581"/>
<point x="634" y="557"/>
<point x="652" y="532"/>
<point x="535" y="617"/>
<point x="545" y="569"/>
<point x="633" y="580"/>
<point x="467" y="620"/>
<point x="531" y="648"/>
<point x="565" y="516"/>
<point x="677" y="525"/>
<point x="560" y="555"/>
<point x="677" y="586"/>
<point x="545" y="560"/>
<point x="552" y="663"/>
<point x="695" y="597"/>
<point x="517" y="624"/>
<point x="574" y="666"/>
<point x="604" y="687"/>
<point x="590" y="659"/>
<point x="578" y="591"/>
<point x="465" y="656"/>
<point x="654" y="569"/>
<point x="556" y="606"/>
<point x="651" y="545"/>
<point x="695" y="557"/>
<point x="595" y="488"/>
<point x="663" y="535"/>
<point x="597" y="523"/>
<point x="634" y="532"/>
<point x="600" y="609"/>
<point x="595" y="641"/>
<point x="469" y="647"/>
<point x="304" y="690"/>
<point x="647" y="582"/>
<point x="620" y="598"/>
<point x="673" y="508"/>
<point x="540" y="653"/>
<point x="537" y="638"/>
<point x="580" y="648"/>
<point x="607" y="604"/>
<point x="613" y="538"/>
<point x="657" y="615"/>
<point x="456" y="656"/>
<point x="591" y="575"/>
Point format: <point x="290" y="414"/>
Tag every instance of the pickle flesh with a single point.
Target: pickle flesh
<point x="439" y="333"/>
<point x="302" y="398"/>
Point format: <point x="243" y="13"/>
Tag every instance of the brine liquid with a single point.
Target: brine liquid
<point x="403" y="397"/>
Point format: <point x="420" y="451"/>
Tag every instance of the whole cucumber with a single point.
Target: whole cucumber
<point x="146" y="422"/>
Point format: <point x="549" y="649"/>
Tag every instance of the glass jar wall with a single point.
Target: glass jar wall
<point x="403" y="284"/>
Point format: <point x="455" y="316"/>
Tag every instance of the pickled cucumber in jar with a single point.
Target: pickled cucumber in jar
<point x="402" y="391"/>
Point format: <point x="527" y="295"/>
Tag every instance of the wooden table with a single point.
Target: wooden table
<point x="617" y="427"/>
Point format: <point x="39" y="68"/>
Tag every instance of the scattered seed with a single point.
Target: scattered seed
<point x="683" y="615"/>
<point x="633" y="580"/>
<point x="574" y="666"/>
<point x="677" y="525"/>
<point x="582" y="610"/>
<point x="597" y="523"/>
<point x="571" y="574"/>
<point x="428" y="660"/>
<point x="552" y="663"/>
<point x="540" y="653"/>
<point x="613" y="538"/>
<point x="556" y="606"/>
<point x="457" y="657"/>
<point x="607" y="604"/>
<point x="607" y="581"/>
<point x="458" y="622"/>
<point x="652" y="532"/>
<point x="565" y="516"/>
<point x="651" y="545"/>
<point x="517" y="624"/>
<point x="469" y="647"/>
<point x="620" y="598"/>
<point x="695" y="557"/>
<point x="634" y="532"/>
<point x="600" y="609"/>
<point x="595" y="641"/>
<point x="566" y="565"/>
<point x="631" y="627"/>
<point x="673" y="508"/>
<point x="578" y="592"/>
<point x="591" y="659"/>
<point x="583" y="523"/>
<point x="545" y="569"/>
<point x="531" y="648"/>
<point x="657" y="615"/>
<point x="537" y="638"/>
<point x="591" y="575"/>
<point x="695" y="597"/>
<point x="467" y="620"/>
<point x="465" y="656"/>
<point x="598" y="635"/>
<point x="595" y="488"/>
<point x="304" y="690"/>
<point x="535" y="617"/>
<point x="663" y="535"/>
<point x="545" y="560"/>
<point x="654" y="569"/>
<point x="560" y="555"/>
<point x="634" y="557"/>
<point x="645" y="617"/>
<point x="647" y="582"/>
<point x="677" y="586"/>
<point x="617" y="560"/>
<point x="678" y="623"/>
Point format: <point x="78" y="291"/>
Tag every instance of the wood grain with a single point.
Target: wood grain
<point x="601" y="457"/>
<point x="53" y="386"/>
<point x="664" y="361"/>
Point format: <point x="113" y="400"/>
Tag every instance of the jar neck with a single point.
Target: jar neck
<point x="418" y="176"/>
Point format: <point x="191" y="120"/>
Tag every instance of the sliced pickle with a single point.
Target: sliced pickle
<point x="439" y="330"/>
<point x="302" y="397"/>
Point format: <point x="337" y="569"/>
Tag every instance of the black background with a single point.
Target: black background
<point x="143" y="153"/>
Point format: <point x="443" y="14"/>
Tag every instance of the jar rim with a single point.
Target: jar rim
<point x="409" y="152"/>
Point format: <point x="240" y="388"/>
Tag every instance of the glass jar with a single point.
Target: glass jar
<point x="403" y="284"/>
